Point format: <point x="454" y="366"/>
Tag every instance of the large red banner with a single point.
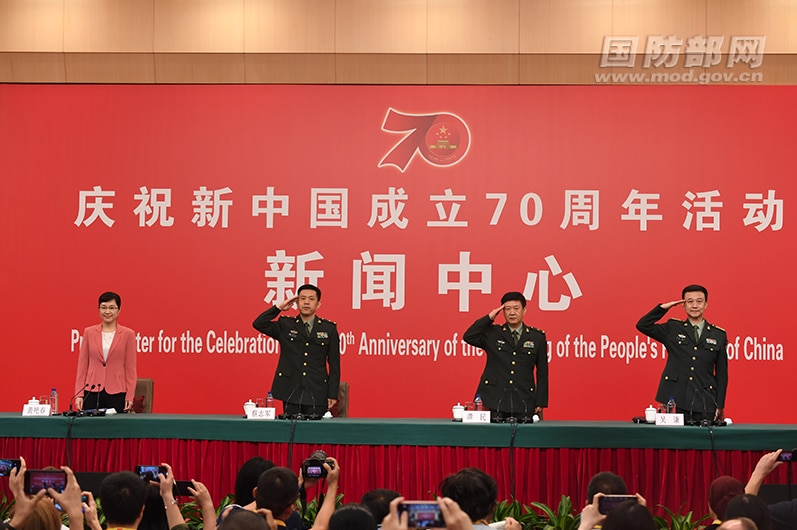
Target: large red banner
<point x="414" y="209"/>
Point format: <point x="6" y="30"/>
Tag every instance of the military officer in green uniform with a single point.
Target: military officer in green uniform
<point x="308" y="371"/>
<point x="515" y="352"/>
<point x="696" y="372"/>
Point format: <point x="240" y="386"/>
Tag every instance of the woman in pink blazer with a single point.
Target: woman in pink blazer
<point x="106" y="366"/>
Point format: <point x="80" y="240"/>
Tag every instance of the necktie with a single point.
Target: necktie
<point x="307" y="328"/>
<point x="697" y="333"/>
<point x="516" y="336"/>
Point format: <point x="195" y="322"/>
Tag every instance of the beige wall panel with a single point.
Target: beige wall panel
<point x="682" y="18"/>
<point x="108" y="26"/>
<point x="199" y="68"/>
<point x="780" y="70"/>
<point x="777" y="19"/>
<point x="384" y="26"/>
<point x="564" y="26"/>
<point x="473" y="26"/>
<point x="398" y="69"/>
<point x="280" y="26"/>
<point x="486" y="69"/>
<point x="290" y="68"/>
<point x="32" y="68"/>
<point x="32" y="25"/>
<point x="561" y="69"/>
<point x="110" y="67"/>
<point x="199" y="26"/>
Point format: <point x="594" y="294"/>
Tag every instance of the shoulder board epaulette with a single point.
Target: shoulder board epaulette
<point x="327" y="320"/>
<point x="530" y="328"/>
<point x="717" y="327"/>
<point x="678" y="320"/>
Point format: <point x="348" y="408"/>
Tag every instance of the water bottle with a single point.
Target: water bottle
<point x="269" y="400"/>
<point x="53" y="402"/>
<point x="477" y="403"/>
<point x="671" y="405"/>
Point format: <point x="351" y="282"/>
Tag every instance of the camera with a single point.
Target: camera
<point x="313" y="467"/>
<point x="785" y="456"/>
<point x="39" y="479"/>
<point x="151" y="472"/>
<point x="608" y="503"/>
<point x="422" y="514"/>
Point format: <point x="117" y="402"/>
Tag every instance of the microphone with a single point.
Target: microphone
<point x="71" y="411"/>
<point x="299" y="416"/>
<point x="313" y="415"/>
<point x="285" y="415"/>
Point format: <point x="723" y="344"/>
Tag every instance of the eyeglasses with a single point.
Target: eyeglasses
<point x="108" y="308"/>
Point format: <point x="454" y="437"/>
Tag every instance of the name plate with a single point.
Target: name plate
<point x="261" y="413"/>
<point x="670" y="419"/>
<point x="476" y="416"/>
<point x="36" y="410"/>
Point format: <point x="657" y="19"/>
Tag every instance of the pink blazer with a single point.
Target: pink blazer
<point x="118" y="373"/>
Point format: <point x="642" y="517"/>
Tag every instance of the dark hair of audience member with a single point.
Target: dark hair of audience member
<point x="244" y="520"/>
<point x="474" y="490"/>
<point x="277" y="490"/>
<point x="607" y="483"/>
<point x="752" y="507"/>
<point x="352" y="517"/>
<point x="629" y="515"/>
<point x="44" y="517"/>
<point x="378" y="502"/>
<point x="246" y="479"/>
<point x="745" y="522"/>
<point x="154" y="517"/>
<point x="122" y="495"/>
<point x="721" y="491"/>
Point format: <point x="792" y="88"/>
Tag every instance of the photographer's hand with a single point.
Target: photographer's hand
<point x="453" y="515"/>
<point x="394" y="521"/>
<point x="23" y="504"/>
<point x="70" y="499"/>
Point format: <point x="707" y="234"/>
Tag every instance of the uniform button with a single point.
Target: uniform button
<point x="691" y="378"/>
<point x="510" y="382"/>
<point x="280" y="374"/>
<point x="695" y="348"/>
<point x="666" y="377"/>
<point x="486" y="382"/>
<point x="513" y="363"/>
<point x="693" y="368"/>
<point x="512" y="372"/>
<point x="304" y="373"/>
<point x="305" y="354"/>
<point x="306" y="343"/>
<point x="305" y="364"/>
<point x="514" y="353"/>
<point x="694" y="358"/>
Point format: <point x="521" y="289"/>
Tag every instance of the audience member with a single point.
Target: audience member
<point x="720" y="492"/>
<point x="123" y="496"/>
<point x="742" y="523"/>
<point x="378" y="503"/>
<point x="783" y="514"/>
<point x="278" y="490"/>
<point x="476" y="494"/>
<point x="629" y="515"/>
<point x="453" y="515"/>
<point x="752" y="507"/>
<point x="249" y="520"/>
<point x="246" y="479"/>
<point x="607" y="483"/>
<point x="352" y="517"/>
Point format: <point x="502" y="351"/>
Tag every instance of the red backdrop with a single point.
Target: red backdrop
<point x="546" y="187"/>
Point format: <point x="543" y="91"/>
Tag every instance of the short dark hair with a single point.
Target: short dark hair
<point x="629" y="515"/>
<point x="243" y="520"/>
<point x="311" y="287"/>
<point x="607" y="483"/>
<point x="108" y="296"/>
<point x="352" y="517"/>
<point x="123" y="495"/>
<point x="246" y="479"/>
<point x="694" y="288"/>
<point x="752" y="507"/>
<point x="378" y="502"/>
<point x="513" y="296"/>
<point x="475" y="491"/>
<point x="277" y="490"/>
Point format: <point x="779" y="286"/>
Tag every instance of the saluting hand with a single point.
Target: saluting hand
<point x="284" y="306"/>
<point x="494" y="312"/>
<point x="673" y="303"/>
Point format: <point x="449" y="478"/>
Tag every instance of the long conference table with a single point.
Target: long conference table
<point x="671" y="466"/>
